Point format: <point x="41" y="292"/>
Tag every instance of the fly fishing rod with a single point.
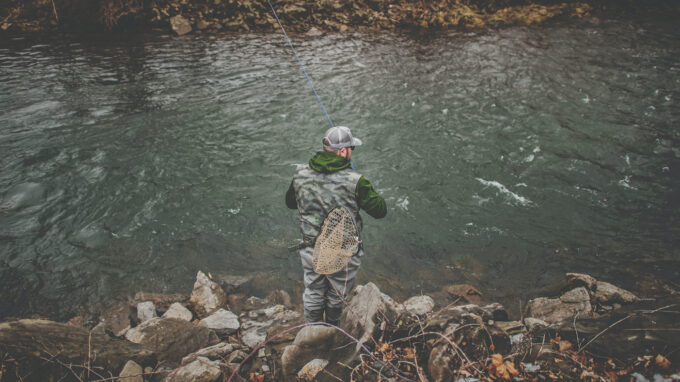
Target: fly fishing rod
<point x="300" y="63"/>
<point x="302" y="67"/>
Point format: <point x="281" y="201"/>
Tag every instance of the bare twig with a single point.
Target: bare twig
<point x="578" y="342"/>
<point x="54" y="9"/>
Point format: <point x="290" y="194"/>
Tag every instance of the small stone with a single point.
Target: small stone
<point x="236" y="356"/>
<point x="265" y="369"/>
<point x="146" y="310"/>
<point x="606" y="293"/>
<point x="131" y="372"/>
<point x="215" y="352"/>
<point x="178" y="310"/>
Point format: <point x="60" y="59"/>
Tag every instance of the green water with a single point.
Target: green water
<point x="507" y="158"/>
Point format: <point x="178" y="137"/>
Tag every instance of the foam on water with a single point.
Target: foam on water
<point x="504" y="190"/>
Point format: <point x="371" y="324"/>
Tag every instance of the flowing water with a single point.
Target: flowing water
<point x="506" y="158"/>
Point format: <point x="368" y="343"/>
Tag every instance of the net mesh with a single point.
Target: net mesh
<point x="337" y="242"/>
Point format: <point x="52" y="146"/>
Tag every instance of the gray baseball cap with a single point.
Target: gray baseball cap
<point x="339" y="137"/>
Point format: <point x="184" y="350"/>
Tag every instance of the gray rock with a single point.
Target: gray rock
<point x="419" y="305"/>
<point x="146" y="310"/>
<point x="236" y="356"/>
<point x="131" y="372"/>
<point x="608" y="294"/>
<point x="180" y="25"/>
<point x="178" y="310"/>
<point x="199" y="370"/>
<point x="576" y="296"/>
<point x="575" y="280"/>
<point x="311" y="369"/>
<point x="556" y="310"/>
<point x="171" y="338"/>
<point x="534" y="324"/>
<point x="231" y="283"/>
<point x="309" y="343"/>
<point x="207" y="296"/>
<point x="254" y="333"/>
<point x="223" y="322"/>
<point x="214" y="352"/>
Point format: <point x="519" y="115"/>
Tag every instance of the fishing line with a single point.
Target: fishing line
<point x="300" y="63"/>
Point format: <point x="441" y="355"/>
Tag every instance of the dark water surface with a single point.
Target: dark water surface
<point x="506" y="158"/>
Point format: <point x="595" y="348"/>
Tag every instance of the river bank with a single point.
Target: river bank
<point x="592" y="331"/>
<point x="209" y="16"/>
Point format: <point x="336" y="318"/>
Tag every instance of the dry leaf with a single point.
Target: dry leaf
<point x="492" y="348"/>
<point x="662" y="362"/>
<point x="500" y="369"/>
<point x="510" y="368"/>
<point x="255" y="377"/>
<point x="564" y="345"/>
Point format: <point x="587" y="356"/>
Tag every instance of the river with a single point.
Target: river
<point x="506" y="157"/>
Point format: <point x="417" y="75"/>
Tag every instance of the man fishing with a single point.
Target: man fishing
<point x="326" y="182"/>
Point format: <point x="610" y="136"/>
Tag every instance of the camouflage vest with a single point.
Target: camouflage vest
<point x="318" y="193"/>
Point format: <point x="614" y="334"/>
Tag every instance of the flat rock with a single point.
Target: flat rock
<point x="608" y="294"/>
<point x="171" y="338"/>
<point x="207" y="296"/>
<point x="180" y="25"/>
<point x="309" y="342"/>
<point x="177" y="310"/>
<point x="419" y="305"/>
<point x="131" y="372"/>
<point x="534" y="324"/>
<point x="223" y="322"/>
<point x="215" y="352"/>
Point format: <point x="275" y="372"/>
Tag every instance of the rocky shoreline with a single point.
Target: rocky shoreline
<point x="592" y="331"/>
<point x="212" y="16"/>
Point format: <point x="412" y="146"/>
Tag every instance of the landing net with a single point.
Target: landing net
<point x="337" y="242"/>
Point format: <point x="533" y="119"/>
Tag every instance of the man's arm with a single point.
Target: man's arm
<point x="369" y="200"/>
<point x="290" y="197"/>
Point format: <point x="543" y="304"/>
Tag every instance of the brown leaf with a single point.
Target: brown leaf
<point x="511" y="368"/>
<point x="662" y="362"/>
<point x="564" y="345"/>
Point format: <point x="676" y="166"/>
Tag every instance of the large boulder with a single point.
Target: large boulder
<point x="207" y="296"/>
<point x="30" y="342"/>
<point x="171" y="338"/>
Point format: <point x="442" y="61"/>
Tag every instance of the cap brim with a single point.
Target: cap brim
<point x="356" y="141"/>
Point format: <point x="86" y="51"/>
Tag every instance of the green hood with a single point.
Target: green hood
<point x="326" y="162"/>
